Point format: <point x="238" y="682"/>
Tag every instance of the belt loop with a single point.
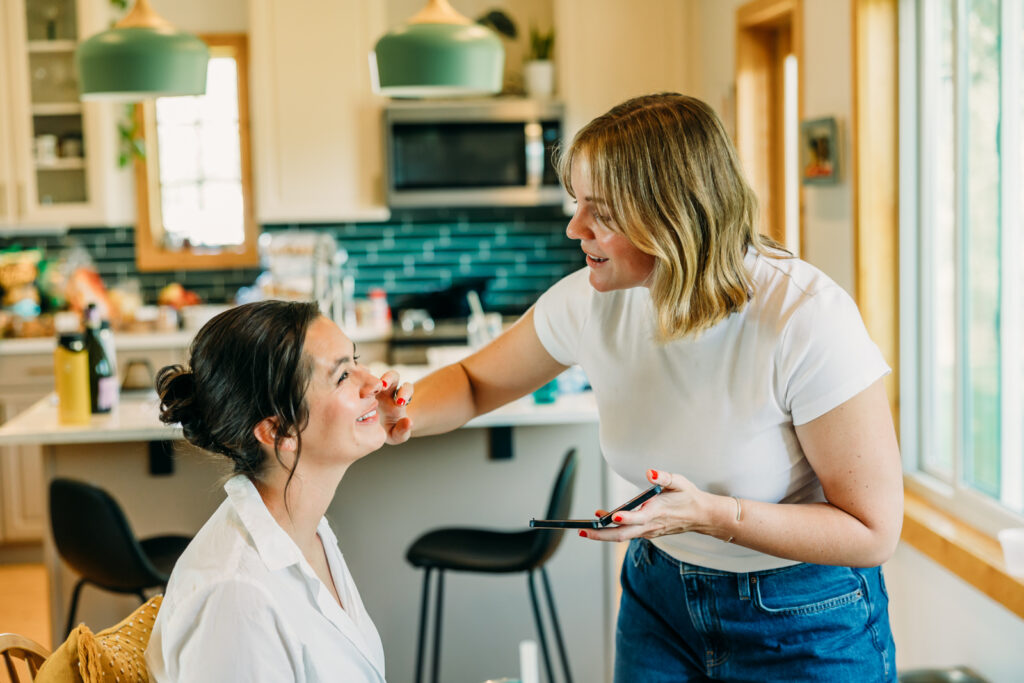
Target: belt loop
<point x="743" y="584"/>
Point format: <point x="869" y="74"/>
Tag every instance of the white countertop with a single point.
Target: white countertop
<point x="136" y="419"/>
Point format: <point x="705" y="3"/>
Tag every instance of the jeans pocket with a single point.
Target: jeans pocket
<point x="805" y="589"/>
<point x="881" y="583"/>
<point x="639" y="552"/>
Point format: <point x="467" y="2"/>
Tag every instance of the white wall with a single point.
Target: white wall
<point x="612" y="50"/>
<point x="937" y="619"/>
<point x="206" y="16"/>
<point x="827" y="63"/>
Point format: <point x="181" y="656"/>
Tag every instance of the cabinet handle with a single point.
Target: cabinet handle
<point x="40" y="371"/>
<point x="21" y="198"/>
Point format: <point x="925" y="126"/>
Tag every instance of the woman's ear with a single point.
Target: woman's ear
<point x="265" y="432"/>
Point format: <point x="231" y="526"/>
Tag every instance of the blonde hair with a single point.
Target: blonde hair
<point x="665" y="167"/>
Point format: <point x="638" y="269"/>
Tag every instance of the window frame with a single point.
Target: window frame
<point x="973" y="507"/>
<point x="150" y="254"/>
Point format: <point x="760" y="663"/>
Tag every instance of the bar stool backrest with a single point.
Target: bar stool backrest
<point x="93" y="536"/>
<point x="546" y="540"/>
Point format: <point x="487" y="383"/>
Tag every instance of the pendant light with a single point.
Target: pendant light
<point x="143" y="56"/>
<point x="438" y="53"/>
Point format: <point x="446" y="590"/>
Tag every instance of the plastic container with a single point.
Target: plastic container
<point x="1012" y="541"/>
<point x="547" y="393"/>
<point x="380" y="312"/>
<point x="71" y="371"/>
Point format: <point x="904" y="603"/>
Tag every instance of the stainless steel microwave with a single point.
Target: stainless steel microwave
<point x="480" y="152"/>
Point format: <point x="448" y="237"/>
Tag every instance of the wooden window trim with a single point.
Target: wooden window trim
<point x="761" y="150"/>
<point x="970" y="554"/>
<point x="149" y="254"/>
<point x="875" y="167"/>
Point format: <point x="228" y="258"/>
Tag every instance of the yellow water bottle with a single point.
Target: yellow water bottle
<point x="71" y="369"/>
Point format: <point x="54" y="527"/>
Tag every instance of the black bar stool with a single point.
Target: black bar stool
<point x="93" y="536"/>
<point x="498" y="552"/>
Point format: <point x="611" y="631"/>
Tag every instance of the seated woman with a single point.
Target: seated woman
<point x="263" y="593"/>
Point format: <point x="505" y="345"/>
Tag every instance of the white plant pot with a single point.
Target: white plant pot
<point x="539" y="77"/>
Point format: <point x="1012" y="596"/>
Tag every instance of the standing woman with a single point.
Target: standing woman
<point x="262" y="593"/>
<point x="739" y="378"/>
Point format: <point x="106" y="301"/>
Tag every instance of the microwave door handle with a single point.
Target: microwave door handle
<point x="534" y="134"/>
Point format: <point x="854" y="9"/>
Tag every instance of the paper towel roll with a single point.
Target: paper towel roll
<point x="528" y="668"/>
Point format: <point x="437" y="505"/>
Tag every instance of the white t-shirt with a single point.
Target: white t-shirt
<point x="719" y="409"/>
<point x="243" y="604"/>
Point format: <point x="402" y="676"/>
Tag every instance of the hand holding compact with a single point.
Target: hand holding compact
<point x="392" y="402"/>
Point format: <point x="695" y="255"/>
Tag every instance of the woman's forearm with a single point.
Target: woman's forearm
<point x="443" y="401"/>
<point x="508" y="368"/>
<point x="811" y="532"/>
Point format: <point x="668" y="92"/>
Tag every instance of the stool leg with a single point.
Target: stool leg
<point x="540" y="628"/>
<point x="74" y="607"/>
<point x="437" y="626"/>
<point x="423" y="625"/>
<point x="555" y="626"/>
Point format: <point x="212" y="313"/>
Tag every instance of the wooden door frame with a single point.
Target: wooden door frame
<point x="759" y="140"/>
<point x="874" y="28"/>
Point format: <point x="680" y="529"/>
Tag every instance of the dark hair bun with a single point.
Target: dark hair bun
<point x="175" y="385"/>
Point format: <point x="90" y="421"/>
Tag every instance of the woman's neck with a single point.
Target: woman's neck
<point x="308" y="496"/>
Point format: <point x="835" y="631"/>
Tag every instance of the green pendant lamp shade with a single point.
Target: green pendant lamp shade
<point x="141" y="57"/>
<point x="438" y="53"/>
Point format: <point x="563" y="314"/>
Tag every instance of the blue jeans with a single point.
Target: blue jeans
<point x="808" y="622"/>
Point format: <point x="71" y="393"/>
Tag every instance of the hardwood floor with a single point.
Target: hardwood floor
<point x="24" y="602"/>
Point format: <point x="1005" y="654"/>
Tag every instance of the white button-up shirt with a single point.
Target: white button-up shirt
<point x="243" y="604"/>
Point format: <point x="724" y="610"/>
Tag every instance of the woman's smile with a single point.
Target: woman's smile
<point x="370" y="416"/>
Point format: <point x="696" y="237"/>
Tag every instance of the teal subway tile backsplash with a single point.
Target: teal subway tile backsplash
<point x="511" y="255"/>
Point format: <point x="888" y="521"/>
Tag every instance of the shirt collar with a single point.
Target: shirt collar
<point x="275" y="546"/>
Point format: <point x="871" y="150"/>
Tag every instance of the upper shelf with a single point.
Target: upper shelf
<point x="52" y="45"/>
<point x="56" y="109"/>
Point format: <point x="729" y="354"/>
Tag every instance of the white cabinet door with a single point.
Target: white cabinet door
<point x="23" y="493"/>
<point x="7" y="178"/>
<point x="317" y="146"/>
<point x="60" y="154"/>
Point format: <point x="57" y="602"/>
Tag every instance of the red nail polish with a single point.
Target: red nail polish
<point x="384" y="383"/>
<point x="652" y="474"/>
<point x="400" y="401"/>
<point x="617" y="518"/>
<point x="583" y="533"/>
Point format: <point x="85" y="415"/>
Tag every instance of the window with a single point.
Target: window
<point x="962" y="253"/>
<point x="194" y="187"/>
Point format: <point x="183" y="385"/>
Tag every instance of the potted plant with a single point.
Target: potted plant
<point x="539" y="70"/>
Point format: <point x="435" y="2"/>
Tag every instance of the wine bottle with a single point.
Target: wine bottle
<point x="99" y="343"/>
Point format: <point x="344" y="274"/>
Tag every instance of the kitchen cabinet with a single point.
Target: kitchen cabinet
<point x="21" y="481"/>
<point x="316" y="124"/>
<point x="24" y="379"/>
<point x="58" y="155"/>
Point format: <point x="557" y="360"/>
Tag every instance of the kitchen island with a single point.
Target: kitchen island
<point x="385" y="501"/>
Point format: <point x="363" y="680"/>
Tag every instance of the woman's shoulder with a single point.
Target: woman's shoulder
<point x="790" y="289"/>
<point x="777" y="274"/>
<point x="222" y="549"/>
